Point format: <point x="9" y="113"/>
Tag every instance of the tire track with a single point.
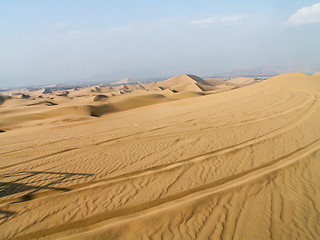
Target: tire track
<point x="86" y="135"/>
<point x="177" y="164"/>
<point x="153" y="130"/>
<point x="195" y="194"/>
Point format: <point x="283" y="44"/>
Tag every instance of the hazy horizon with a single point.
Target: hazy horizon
<point x="59" y="42"/>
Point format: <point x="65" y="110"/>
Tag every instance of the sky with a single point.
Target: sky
<point x="58" y="41"/>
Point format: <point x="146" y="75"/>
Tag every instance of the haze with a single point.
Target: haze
<point x="185" y="120"/>
<point x="68" y="41"/>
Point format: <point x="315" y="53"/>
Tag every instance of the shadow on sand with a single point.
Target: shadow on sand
<point x="30" y="182"/>
<point x="6" y="214"/>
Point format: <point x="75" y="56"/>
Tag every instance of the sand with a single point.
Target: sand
<point x="240" y="164"/>
<point x="242" y="80"/>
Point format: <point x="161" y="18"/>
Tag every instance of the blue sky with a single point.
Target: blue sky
<point x="44" y="42"/>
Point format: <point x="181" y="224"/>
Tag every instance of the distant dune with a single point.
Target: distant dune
<point x="317" y="73"/>
<point x="185" y="82"/>
<point x="82" y="103"/>
<point x="153" y="163"/>
<point x="4" y="98"/>
<point x="242" y="80"/>
<point x="100" y="97"/>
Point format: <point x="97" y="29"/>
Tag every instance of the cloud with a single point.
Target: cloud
<point x="59" y="25"/>
<point x="226" y="19"/>
<point x="305" y="15"/>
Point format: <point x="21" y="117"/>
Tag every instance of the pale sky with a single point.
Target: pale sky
<point x="44" y="42"/>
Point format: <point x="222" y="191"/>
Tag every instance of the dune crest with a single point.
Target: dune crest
<point x="184" y="82"/>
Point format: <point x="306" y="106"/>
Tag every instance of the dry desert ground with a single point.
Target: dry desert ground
<point x="185" y="158"/>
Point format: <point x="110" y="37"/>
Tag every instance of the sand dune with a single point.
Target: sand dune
<point x="242" y="80"/>
<point x="317" y="73"/>
<point x="215" y="82"/>
<point x="241" y="164"/>
<point x="96" y="107"/>
<point x="95" y="101"/>
<point x="185" y="82"/>
<point x="3" y="98"/>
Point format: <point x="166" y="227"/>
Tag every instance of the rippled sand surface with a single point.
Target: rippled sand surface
<point x="241" y="164"/>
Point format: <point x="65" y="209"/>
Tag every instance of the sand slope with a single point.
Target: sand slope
<point x="185" y="82"/>
<point x="242" y="164"/>
<point x="242" y="80"/>
<point x="44" y="106"/>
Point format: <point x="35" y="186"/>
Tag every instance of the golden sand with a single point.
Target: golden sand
<point x="240" y="164"/>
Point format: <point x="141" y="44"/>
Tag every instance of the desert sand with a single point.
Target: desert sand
<point x="185" y="158"/>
